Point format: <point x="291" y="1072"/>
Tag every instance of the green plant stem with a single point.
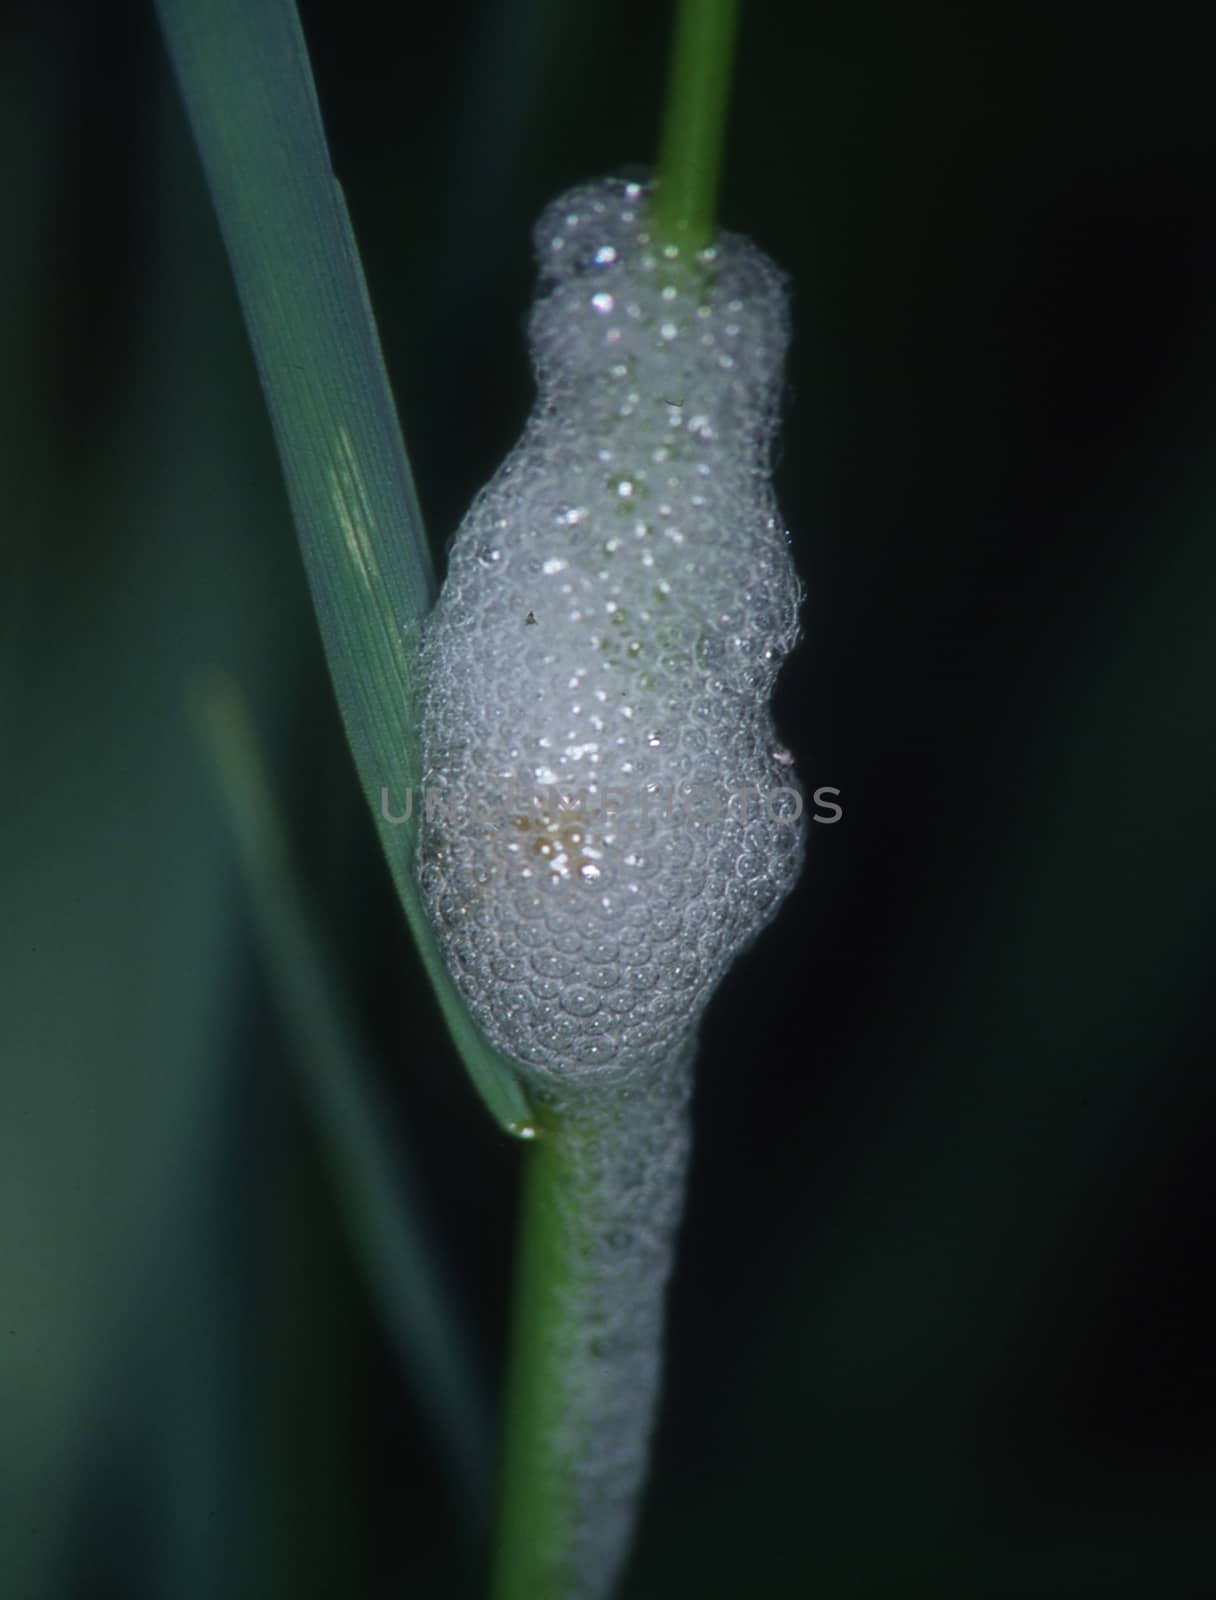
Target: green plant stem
<point x="534" y="1509"/>
<point x="603" y="1189"/>
<point x="243" y="70"/>
<point x="694" y="122"/>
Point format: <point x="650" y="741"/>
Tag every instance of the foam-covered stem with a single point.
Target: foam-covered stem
<point x="603" y="1194"/>
<point x="609" y="819"/>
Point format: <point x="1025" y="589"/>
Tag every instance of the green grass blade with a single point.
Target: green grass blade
<point x="243" y="70"/>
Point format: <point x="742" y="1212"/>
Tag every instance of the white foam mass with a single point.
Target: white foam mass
<point x="610" y="820"/>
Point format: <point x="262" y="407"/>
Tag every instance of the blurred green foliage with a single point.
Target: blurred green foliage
<point x="941" y="1322"/>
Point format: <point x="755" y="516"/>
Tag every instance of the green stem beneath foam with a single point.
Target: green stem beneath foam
<point x="571" y="1202"/>
<point x="534" y="1510"/>
<point x="602" y="1196"/>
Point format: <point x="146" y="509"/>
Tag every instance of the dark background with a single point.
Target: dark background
<point x="941" y="1321"/>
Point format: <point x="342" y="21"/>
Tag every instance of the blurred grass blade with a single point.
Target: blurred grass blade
<point x="244" y="75"/>
<point x="372" y="1176"/>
